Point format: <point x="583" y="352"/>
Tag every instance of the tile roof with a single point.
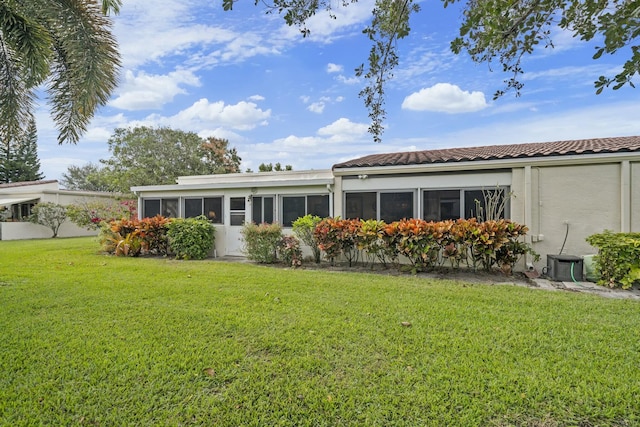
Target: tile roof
<point x="26" y="183"/>
<point x="498" y="152"/>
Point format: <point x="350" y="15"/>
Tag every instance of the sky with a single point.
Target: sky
<point x="245" y="76"/>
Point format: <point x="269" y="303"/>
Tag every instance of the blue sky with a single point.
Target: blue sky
<point x="277" y="97"/>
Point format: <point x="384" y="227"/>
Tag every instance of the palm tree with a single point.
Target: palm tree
<point x="65" y="45"/>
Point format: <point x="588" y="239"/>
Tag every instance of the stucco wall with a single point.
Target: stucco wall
<point x="635" y="197"/>
<point x="583" y="199"/>
<point x="27" y="230"/>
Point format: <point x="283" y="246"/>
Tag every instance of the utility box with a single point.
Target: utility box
<point x="564" y="268"/>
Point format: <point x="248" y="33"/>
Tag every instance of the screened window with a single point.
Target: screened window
<point x="237" y="207"/>
<point x="396" y="206"/>
<point x="441" y="204"/>
<point x="294" y="207"/>
<point x="262" y="209"/>
<point x="211" y="207"/>
<point x="384" y="206"/>
<point x="465" y="203"/>
<point x="165" y="207"/>
<point x="361" y="206"/>
<point x="151" y="208"/>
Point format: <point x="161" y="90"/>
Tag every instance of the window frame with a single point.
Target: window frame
<point x="283" y="197"/>
<point x="462" y="191"/>
<point x="351" y="204"/>
<point x="218" y="219"/>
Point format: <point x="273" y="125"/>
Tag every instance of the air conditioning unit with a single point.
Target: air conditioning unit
<point x="564" y="268"/>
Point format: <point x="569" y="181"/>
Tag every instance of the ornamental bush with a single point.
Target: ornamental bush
<point x="90" y="214"/>
<point x="261" y="241"/>
<point x="426" y="245"/>
<point x="303" y="228"/>
<point x="51" y="215"/>
<point x="133" y="237"/>
<point x="290" y="251"/>
<point x="618" y="258"/>
<point x="190" y="238"/>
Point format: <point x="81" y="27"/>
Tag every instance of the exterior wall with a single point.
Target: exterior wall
<point x="635" y="197"/>
<point x="46" y="192"/>
<point x="228" y="237"/>
<point x="573" y="201"/>
<point x="27" y="230"/>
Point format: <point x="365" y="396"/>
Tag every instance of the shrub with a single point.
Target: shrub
<point x="290" y="251"/>
<point x="190" y="238"/>
<point x="303" y="228"/>
<point x="371" y="241"/>
<point x="618" y="259"/>
<point x="90" y="214"/>
<point x="150" y="233"/>
<point x="51" y="215"/>
<point x="338" y="237"/>
<point x="261" y="241"/>
<point x="427" y="245"/>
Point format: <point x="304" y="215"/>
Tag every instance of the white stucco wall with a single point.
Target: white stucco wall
<point x="27" y="230"/>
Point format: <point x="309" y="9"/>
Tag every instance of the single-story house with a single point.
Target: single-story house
<point x="563" y="191"/>
<point x="17" y="199"/>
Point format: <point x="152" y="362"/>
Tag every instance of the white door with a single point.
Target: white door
<point x="237" y="217"/>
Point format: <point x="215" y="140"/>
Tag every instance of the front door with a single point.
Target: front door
<point x="237" y="217"/>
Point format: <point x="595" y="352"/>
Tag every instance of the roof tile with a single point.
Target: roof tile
<point x="498" y="152"/>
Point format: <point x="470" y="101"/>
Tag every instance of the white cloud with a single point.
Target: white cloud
<point x="241" y="116"/>
<point x="343" y="129"/>
<point x="256" y="98"/>
<point x="348" y="80"/>
<point x="445" y="98"/>
<point x="334" y="68"/>
<point x="144" y="91"/>
<point x="316" y="107"/>
<point x="222" y="133"/>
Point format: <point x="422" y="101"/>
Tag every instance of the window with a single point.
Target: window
<point x="361" y="206"/>
<point x="237" y="207"/>
<point x="464" y="203"/>
<point x="384" y="206"/>
<point x="262" y="209"/>
<point x="211" y="207"/>
<point x="165" y="207"/>
<point x="294" y="207"/>
<point x="441" y="204"/>
<point x="150" y="208"/>
<point x="396" y="206"/>
<point x="485" y="204"/>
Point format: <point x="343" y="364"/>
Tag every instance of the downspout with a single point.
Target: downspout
<point x="528" y="208"/>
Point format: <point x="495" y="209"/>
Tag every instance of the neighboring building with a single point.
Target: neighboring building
<point x="563" y="191"/>
<point x="17" y="199"/>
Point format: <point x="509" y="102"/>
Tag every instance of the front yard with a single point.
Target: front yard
<point x="89" y="339"/>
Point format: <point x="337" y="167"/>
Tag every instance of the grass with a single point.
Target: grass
<point x="89" y="339"/>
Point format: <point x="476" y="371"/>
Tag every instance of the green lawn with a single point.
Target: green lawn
<point x="89" y="339"/>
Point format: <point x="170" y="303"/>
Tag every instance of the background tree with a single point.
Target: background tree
<point x="89" y="177"/>
<point x="19" y="161"/>
<point x="501" y="31"/>
<point x="219" y="157"/>
<point x="68" y="45"/>
<point x="269" y="167"/>
<point x="152" y="156"/>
